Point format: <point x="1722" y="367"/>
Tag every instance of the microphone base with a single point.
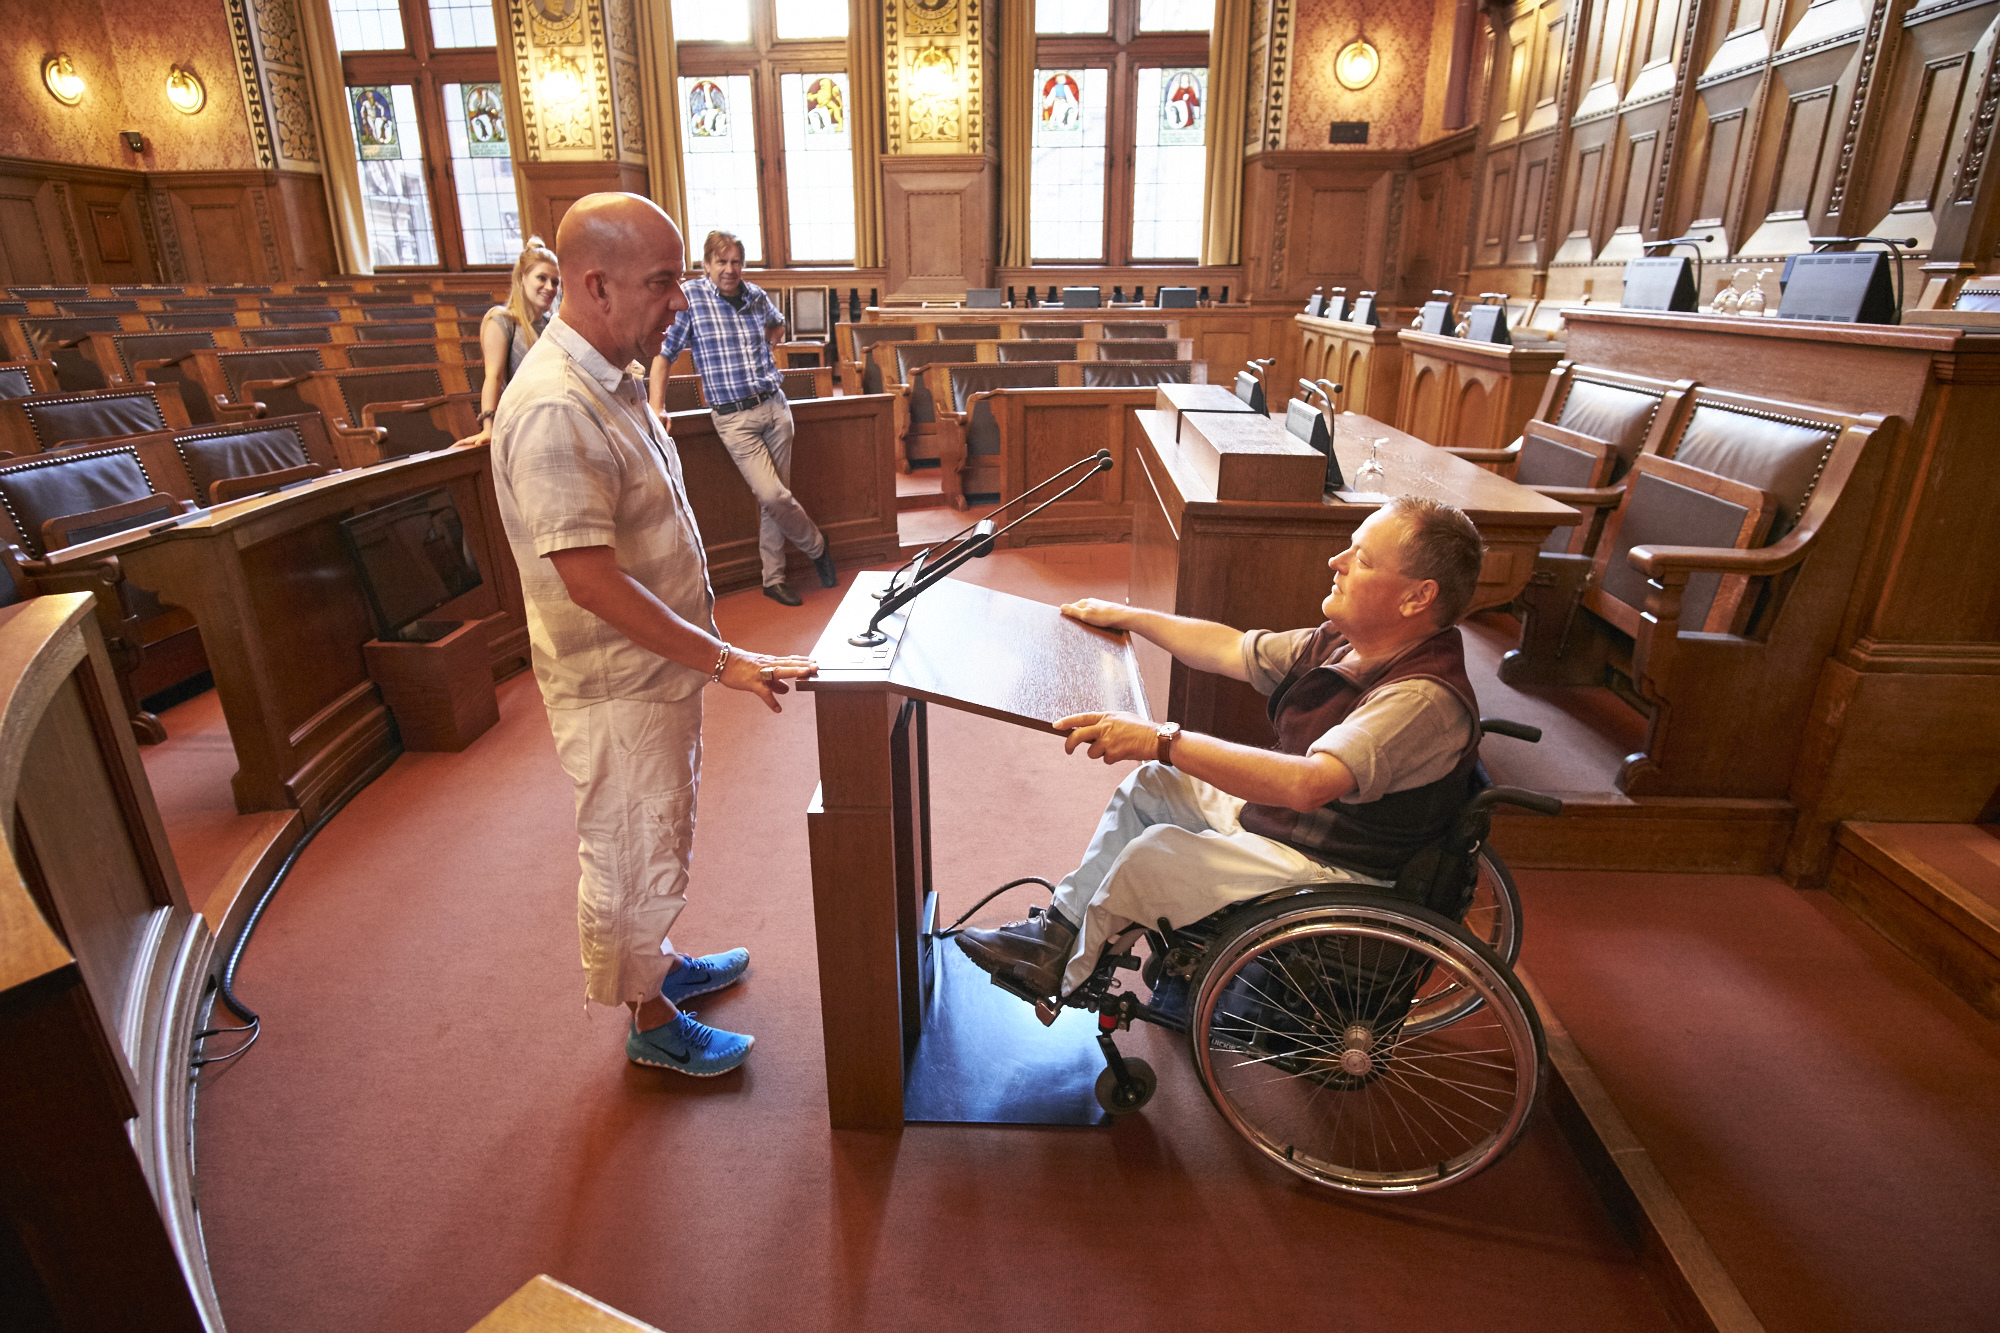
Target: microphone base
<point x="868" y="638"/>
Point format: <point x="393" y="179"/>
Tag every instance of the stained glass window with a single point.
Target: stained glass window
<point x="489" y="212"/>
<point x="369" y="25"/>
<point x="461" y="23"/>
<point x="1054" y="16"/>
<point x="719" y="153"/>
<point x="819" y="167"/>
<point x="810" y="18"/>
<point x="394" y="204"/>
<point x="1066" y="189"/>
<point x="1168" y="163"/>
<point x="1176" y="15"/>
<point x="714" y="21"/>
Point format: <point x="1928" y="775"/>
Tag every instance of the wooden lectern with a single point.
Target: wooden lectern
<point x="912" y="1032"/>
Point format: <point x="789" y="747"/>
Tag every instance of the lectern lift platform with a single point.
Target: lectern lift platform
<point x="915" y="1032"/>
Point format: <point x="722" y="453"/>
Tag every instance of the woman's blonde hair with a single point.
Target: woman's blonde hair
<point x="537" y="252"/>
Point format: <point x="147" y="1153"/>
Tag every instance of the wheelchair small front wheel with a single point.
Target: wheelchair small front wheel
<point x="1144" y="1083"/>
<point x="1302" y="1035"/>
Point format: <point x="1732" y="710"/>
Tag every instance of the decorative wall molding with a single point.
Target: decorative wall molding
<point x="1979" y="135"/>
<point x="545" y="36"/>
<point x="946" y="37"/>
<point x="1281" y="227"/>
<point x="1272" y="74"/>
<point x="1864" y="78"/>
<point x="248" y="80"/>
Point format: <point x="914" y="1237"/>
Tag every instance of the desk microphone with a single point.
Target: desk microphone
<point x="978" y="545"/>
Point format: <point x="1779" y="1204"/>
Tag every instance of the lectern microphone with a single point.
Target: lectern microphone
<point x="975" y="546"/>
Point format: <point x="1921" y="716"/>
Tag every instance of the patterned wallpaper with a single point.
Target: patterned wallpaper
<point x="1402" y="30"/>
<point x="122" y="48"/>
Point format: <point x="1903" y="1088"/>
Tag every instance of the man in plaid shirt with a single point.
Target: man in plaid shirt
<point x="730" y="324"/>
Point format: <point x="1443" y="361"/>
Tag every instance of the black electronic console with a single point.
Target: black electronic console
<point x="1363" y="311"/>
<point x="1660" y="284"/>
<point x="979" y="539"/>
<point x="1436" y="317"/>
<point x="1846" y="287"/>
<point x="413" y="558"/>
<point x="1488" y="324"/>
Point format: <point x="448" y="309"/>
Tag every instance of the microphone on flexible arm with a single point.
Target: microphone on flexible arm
<point x="976" y="546"/>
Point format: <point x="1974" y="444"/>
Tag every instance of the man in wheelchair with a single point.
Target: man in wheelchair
<point x="1377" y="751"/>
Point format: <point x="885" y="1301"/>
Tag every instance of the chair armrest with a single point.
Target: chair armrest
<point x="971" y="406"/>
<point x="143" y="370"/>
<point x="56" y="531"/>
<point x="232" y="413"/>
<point x="249" y="389"/>
<point x="1662" y="562"/>
<point x="1508" y="455"/>
<point x="235" y="488"/>
<point x="1583" y="497"/>
<point x="369" y="410"/>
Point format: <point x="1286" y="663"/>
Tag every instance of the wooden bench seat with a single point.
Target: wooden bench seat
<point x="387" y="412"/>
<point x="1037" y="432"/>
<point x="1719" y="643"/>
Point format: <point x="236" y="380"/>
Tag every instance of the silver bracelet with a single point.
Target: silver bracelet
<point x="721" y="661"/>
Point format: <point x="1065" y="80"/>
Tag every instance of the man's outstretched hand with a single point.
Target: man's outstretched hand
<point x="1096" y="611"/>
<point x="765" y="676"/>
<point x="1112" y="737"/>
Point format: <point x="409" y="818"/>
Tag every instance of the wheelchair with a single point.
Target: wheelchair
<point x="1373" y="1040"/>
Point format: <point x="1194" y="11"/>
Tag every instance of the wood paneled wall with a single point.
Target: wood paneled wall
<point x="68" y="224"/>
<point x="1761" y="123"/>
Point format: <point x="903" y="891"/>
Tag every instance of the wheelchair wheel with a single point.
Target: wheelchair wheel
<point x="1301" y="1035"/>
<point x="1494" y="919"/>
<point x="1146" y="1081"/>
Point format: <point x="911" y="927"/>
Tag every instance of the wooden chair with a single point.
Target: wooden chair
<point x="1038" y="432"/>
<point x="1037" y="349"/>
<point x="1145" y="349"/>
<point x="263" y="381"/>
<point x="193" y="319"/>
<point x="18" y="379"/>
<point x="804" y="382"/>
<point x="916" y="413"/>
<point x="45" y="421"/>
<point x="227" y="462"/>
<point x="1048" y="329"/>
<point x="1573" y="468"/>
<point x="968" y="442"/>
<point x="380" y="413"/>
<point x="58" y="501"/>
<point x="1719" y="617"/>
<point x="1129" y="374"/>
<point x="859" y="373"/>
<point x="59" y="340"/>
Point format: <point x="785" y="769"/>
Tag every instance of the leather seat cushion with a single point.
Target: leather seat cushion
<point x="1775" y="456"/>
<point x="1616" y="415"/>
<point x="71" y="484"/>
<point x="213" y="458"/>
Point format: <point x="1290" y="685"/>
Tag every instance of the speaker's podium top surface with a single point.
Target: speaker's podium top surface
<point x="980" y="651"/>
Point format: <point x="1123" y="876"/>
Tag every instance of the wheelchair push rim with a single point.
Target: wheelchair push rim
<point x="1341" y="1089"/>
<point x="1494" y="919"/>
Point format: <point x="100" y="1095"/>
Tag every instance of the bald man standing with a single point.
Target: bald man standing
<point x="620" y="619"/>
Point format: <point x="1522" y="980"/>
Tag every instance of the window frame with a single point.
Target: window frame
<point x="765" y="58"/>
<point x="1122" y="50"/>
<point x="427" y="69"/>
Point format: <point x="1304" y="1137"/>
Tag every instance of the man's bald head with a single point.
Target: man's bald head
<point x="622" y="261"/>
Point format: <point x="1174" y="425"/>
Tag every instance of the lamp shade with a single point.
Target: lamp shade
<point x="1357" y="64"/>
<point x="185" y="90"/>
<point x="61" y="79"/>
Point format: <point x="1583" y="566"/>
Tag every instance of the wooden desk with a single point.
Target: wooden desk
<point x="1905" y="722"/>
<point x="1261" y="562"/>
<point x="971" y="1051"/>
<point x="1461" y="394"/>
<point x="283" y="618"/>
<point x="1366" y="361"/>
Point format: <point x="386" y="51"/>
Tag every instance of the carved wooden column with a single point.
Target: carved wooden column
<point x="940" y="175"/>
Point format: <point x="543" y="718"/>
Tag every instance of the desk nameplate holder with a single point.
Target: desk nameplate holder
<point x="980" y="1055"/>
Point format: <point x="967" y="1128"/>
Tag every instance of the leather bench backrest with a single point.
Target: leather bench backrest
<point x="1135" y="374"/>
<point x="325" y="314"/>
<point x="48" y="293"/>
<point x="1613" y="413"/>
<point x="982" y="432"/>
<point x="865" y="336"/>
<point x="239" y="289"/>
<point x="272" y="364"/>
<point x="1036" y="350"/>
<point x="94" y="416"/>
<point x="240" y="451"/>
<point x="963" y="333"/>
<point x="100" y="306"/>
<point x="382" y="333"/>
<point x="192" y="319"/>
<point x="1059" y="330"/>
<point x="283" y="337"/>
<point x="384" y="298"/>
<point x="1126" y="328"/>
<point x="148" y="289"/>
<point x="394" y="354"/>
<point x="14" y="382"/>
<point x="13" y="307"/>
<point x="200" y="303"/>
<point x="409" y="433"/>
<point x="135" y="347"/>
<point x="1581" y="461"/>
<point x="682" y="393"/>
<point x="1663" y="508"/>
<point x="295" y="300"/>
<point x="800" y="384"/>
<point x="406" y="312"/>
<point x="1138" y="349"/>
<point x="912" y="357"/>
<point x="43" y="332"/>
<point x="69" y="484"/>
<point x="1782" y="456"/>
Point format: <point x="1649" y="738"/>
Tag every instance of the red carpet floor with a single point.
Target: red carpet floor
<point x="433" y="1116"/>
<point x="1825" y="1109"/>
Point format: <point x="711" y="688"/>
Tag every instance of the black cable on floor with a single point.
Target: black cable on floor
<point x="953" y="928"/>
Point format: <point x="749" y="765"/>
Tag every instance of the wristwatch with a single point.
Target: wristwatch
<point x="1168" y="733"/>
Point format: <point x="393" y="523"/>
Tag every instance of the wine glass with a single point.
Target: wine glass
<point x="1370" y="476"/>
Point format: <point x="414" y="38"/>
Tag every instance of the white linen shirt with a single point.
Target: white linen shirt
<point x="580" y="460"/>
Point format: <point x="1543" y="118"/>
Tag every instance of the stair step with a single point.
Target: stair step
<point x="919" y="488"/>
<point x="1933" y="890"/>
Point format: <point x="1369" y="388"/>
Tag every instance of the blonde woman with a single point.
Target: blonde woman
<point x="506" y="332"/>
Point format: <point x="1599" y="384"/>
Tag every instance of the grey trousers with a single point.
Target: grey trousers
<point x="760" y="440"/>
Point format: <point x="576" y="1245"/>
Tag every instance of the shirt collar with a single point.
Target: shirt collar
<point x="587" y="358"/>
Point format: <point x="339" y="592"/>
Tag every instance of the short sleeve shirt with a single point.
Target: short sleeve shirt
<point x="579" y="460"/>
<point x="1401" y="736"/>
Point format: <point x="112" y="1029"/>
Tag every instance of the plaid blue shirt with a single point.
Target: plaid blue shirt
<point x="730" y="351"/>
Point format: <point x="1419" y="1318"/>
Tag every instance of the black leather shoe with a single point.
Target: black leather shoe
<point x="781" y="593"/>
<point x="1031" y="953"/>
<point x="823" y="566"/>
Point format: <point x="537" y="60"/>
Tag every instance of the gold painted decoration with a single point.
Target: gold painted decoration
<point x="555" y="22"/>
<point x="930" y="17"/>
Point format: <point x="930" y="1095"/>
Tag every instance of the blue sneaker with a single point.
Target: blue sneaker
<point x="699" y="976"/>
<point x="688" y="1047"/>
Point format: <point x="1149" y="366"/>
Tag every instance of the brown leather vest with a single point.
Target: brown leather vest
<point x="1376" y="837"/>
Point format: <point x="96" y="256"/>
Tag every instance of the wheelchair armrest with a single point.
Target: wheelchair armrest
<point x="1500" y="726"/>
<point x="1521" y="796"/>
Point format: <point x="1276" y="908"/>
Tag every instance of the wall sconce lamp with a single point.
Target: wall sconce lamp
<point x="185" y="90"/>
<point x="933" y="73"/>
<point x="561" y="83"/>
<point x="1357" y="65"/>
<point x="61" y="79"/>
